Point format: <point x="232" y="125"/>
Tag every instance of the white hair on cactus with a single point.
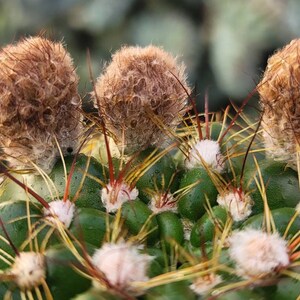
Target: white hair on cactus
<point x="202" y="285"/>
<point x="114" y="195"/>
<point x="206" y="152"/>
<point x="61" y="210"/>
<point x="237" y="203"/>
<point x="163" y="202"/>
<point x="29" y="270"/>
<point x="257" y="253"/>
<point x="122" y="264"/>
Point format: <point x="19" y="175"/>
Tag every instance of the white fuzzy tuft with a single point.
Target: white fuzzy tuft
<point x="202" y="285"/>
<point x="257" y="253"/>
<point x="161" y="202"/>
<point x="114" y="195"/>
<point x="237" y="203"/>
<point x="206" y="152"/>
<point x="121" y="264"/>
<point x="62" y="210"/>
<point x="29" y="270"/>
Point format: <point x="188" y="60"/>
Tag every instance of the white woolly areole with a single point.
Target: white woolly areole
<point x="237" y="203"/>
<point x="257" y="253"/>
<point x="122" y="264"/>
<point x="163" y="202"/>
<point x="114" y="195"/>
<point x="62" y="210"/>
<point x="202" y="285"/>
<point x="207" y="151"/>
<point x="29" y="270"/>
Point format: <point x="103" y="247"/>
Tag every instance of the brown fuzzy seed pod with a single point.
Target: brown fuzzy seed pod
<point x="280" y="99"/>
<point x="39" y="101"/>
<point x="139" y="87"/>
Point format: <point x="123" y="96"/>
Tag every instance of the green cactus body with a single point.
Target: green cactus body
<point x="206" y="227"/>
<point x="281" y="216"/>
<point x="137" y="215"/>
<point x="90" y="225"/>
<point x="158" y="177"/>
<point x="170" y="228"/>
<point x="281" y="184"/>
<point x="172" y="291"/>
<point x="16" y="219"/>
<point x="60" y="273"/>
<point x="89" y="194"/>
<point x="199" y="186"/>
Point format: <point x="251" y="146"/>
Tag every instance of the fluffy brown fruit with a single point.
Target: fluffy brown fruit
<point x="39" y="101"/>
<point x="139" y="89"/>
<point x="280" y="99"/>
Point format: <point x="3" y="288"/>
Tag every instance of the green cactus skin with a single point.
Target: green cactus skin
<point x="204" y="229"/>
<point x="172" y="291"/>
<point x="191" y="204"/>
<point x="60" y="273"/>
<point x="170" y="228"/>
<point x="281" y="183"/>
<point x="160" y="172"/>
<point x="136" y="213"/>
<point x="281" y="216"/>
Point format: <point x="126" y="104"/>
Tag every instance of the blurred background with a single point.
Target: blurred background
<point x="224" y="43"/>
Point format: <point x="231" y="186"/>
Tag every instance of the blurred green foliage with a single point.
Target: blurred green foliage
<point x="224" y="43"/>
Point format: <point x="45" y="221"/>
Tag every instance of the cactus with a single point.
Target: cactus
<point x="189" y="206"/>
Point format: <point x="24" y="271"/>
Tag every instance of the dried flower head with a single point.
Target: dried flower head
<point x="122" y="264"/>
<point x="39" y="101"/>
<point x="29" y="270"/>
<point x="280" y="100"/>
<point x="258" y="253"/>
<point x="140" y="88"/>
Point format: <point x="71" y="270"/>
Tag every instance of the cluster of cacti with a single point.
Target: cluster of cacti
<point x="147" y="198"/>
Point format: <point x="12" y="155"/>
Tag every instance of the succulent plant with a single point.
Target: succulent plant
<point x="206" y="215"/>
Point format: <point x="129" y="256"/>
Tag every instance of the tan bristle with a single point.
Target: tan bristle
<point x="280" y="99"/>
<point x="39" y="101"/>
<point x="137" y="87"/>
